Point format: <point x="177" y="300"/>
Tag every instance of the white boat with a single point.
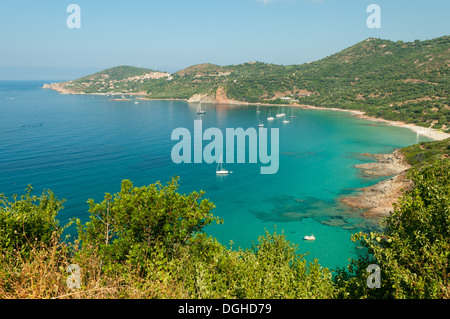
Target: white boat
<point x="280" y="114"/>
<point x="312" y="237"/>
<point x="292" y="114"/>
<point x="199" y="110"/>
<point x="285" y="121"/>
<point x="270" y="118"/>
<point x="260" y="124"/>
<point x="220" y="170"/>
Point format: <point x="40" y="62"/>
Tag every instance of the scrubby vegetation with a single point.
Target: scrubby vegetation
<point x="147" y="242"/>
<point x="426" y="153"/>
<point x="413" y="252"/>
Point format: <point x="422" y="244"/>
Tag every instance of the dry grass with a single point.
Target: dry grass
<point x="42" y="275"/>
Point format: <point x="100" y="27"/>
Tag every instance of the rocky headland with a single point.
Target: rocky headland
<point x="377" y="200"/>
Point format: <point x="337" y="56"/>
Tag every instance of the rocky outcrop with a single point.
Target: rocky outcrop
<point x="219" y="97"/>
<point x="377" y="200"/>
<point x="207" y="98"/>
<point x="385" y="165"/>
<point x="60" y="87"/>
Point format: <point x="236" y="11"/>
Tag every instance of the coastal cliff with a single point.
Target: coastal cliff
<point x="220" y="97"/>
<point x="61" y="87"/>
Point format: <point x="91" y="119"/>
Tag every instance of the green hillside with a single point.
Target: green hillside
<point x="118" y="73"/>
<point x="406" y="81"/>
<point x="427" y="153"/>
<point x="121" y="79"/>
<point x="393" y="80"/>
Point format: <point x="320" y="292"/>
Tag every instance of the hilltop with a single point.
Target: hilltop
<point x="116" y="80"/>
<point x="399" y="81"/>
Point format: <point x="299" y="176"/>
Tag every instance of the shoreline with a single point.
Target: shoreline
<point x="377" y="200"/>
<point x="430" y="133"/>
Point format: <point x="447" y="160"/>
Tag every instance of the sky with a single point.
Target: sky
<point x="169" y="35"/>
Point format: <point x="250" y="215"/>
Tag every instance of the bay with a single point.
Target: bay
<point x="81" y="146"/>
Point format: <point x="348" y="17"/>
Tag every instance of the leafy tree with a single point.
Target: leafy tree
<point x="139" y="222"/>
<point x="414" y="250"/>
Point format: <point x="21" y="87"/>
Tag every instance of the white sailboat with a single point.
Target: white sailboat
<point x="260" y="124"/>
<point x="292" y="114"/>
<point x="280" y="114"/>
<point x="220" y="170"/>
<point x="199" y="110"/>
<point x="312" y="237"/>
<point x="270" y="118"/>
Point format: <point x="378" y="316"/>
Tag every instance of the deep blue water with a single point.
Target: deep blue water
<point x="81" y="146"/>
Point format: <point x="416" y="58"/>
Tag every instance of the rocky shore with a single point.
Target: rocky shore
<point x="59" y="87"/>
<point x="377" y="200"/>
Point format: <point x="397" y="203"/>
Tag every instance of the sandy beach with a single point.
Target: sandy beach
<point x="431" y="133"/>
<point x="427" y="132"/>
<point x="221" y="98"/>
<point x="377" y="201"/>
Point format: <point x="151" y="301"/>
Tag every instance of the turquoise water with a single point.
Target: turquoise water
<point x="83" y="146"/>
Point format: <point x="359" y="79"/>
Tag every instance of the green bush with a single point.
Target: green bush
<point x="139" y="222"/>
<point x="29" y="221"/>
<point x="413" y="252"/>
<point x="272" y="269"/>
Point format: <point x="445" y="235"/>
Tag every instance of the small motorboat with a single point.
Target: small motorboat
<point x="312" y="237"/>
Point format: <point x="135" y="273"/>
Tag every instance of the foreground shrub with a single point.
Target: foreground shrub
<point x="139" y="225"/>
<point x="413" y="252"/>
<point x="271" y="269"/>
<point x="28" y="222"/>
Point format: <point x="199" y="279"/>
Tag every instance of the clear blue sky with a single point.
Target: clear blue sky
<point x="170" y="35"/>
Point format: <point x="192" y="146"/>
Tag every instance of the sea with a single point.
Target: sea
<point x="83" y="146"/>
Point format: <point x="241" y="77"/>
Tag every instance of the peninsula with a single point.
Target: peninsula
<point x="394" y="81"/>
<point x="399" y="83"/>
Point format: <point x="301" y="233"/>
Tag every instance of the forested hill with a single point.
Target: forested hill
<point x="405" y="81"/>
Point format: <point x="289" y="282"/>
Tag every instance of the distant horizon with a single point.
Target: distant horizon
<point x="49" y="39"/>
<point x="55" y="74"/>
